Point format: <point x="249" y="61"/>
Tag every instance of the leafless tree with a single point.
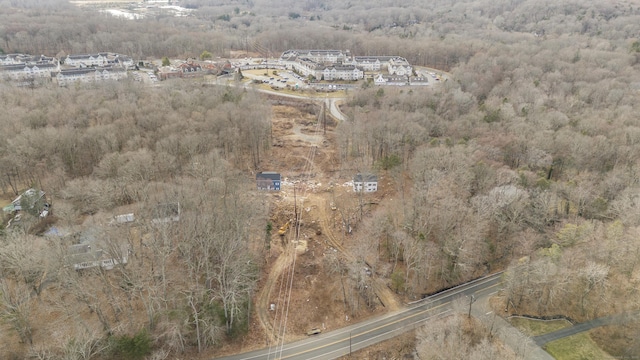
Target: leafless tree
<point x="16" y="309"/>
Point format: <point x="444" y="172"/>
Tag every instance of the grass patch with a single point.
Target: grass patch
<point x="576" y="347"/>
<point x="533" y="327"/>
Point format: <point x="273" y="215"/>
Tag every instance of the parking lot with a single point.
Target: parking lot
<point x="281" y="78"/>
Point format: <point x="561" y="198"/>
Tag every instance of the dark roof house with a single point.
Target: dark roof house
<point x="268" y="180"/>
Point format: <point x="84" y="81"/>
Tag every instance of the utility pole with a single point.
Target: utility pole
<point x="324" y="116"/>
<point x="295" y="211"/>
<point x="349" y="343"/>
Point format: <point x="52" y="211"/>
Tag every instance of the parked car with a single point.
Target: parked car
<point x="314" y="331"/>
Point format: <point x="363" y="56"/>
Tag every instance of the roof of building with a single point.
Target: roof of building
<point x="297" y="52"/>
<point x="310" y="64"/>
<point x="365" y="178"/>
<point x="22" y="66"/>
<point x="271" y="175"/>
<point x="392" y="78"/>
<point x="418" y="79"/>
<point x="13" y="67"/>
<point x="31" y="193"/>
<point x="372" y="58"/>
<point x="88" y="70"/>
<point x="80" y="71"/>
<point x="342" y="67"/>
<point x="44" y="65"/>
<point x="82" y="56"/>
<point x="398" y="61"/>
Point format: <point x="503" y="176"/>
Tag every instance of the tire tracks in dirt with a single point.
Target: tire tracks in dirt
<point x="282" y="263"/>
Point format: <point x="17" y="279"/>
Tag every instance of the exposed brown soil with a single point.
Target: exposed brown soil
<point x="306" y="157"/>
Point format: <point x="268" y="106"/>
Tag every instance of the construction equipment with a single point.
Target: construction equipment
<point x="283" y="229"/>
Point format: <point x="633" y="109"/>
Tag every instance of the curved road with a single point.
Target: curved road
<point x="341" y="342"/>
<point x="331" y="102"/>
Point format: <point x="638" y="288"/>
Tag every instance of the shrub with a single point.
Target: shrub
<point x="132" y="347"/>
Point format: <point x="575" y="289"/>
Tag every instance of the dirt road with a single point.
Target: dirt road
<point x="262" y="303"/>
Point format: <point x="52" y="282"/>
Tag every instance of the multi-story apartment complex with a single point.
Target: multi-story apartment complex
<point x="21" y="67"/>
<point x="28" y="71"/>
<point x="339" y="65"/>
<point x="68" y="76"/>
<point x="99" y="59"/>
<point x="319" y="56"/>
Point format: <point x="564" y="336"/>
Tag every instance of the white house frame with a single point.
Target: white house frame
<point x="365" y="182"/>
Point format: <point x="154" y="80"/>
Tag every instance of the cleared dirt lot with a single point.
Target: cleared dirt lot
<point x="307" y="159"/>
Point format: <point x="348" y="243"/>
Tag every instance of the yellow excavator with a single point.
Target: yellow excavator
<point x="283" y="229"/>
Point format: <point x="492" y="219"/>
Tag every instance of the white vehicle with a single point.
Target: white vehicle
<point x="314" y="331"/>
<point x="45" y="210"/>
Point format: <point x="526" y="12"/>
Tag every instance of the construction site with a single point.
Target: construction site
<point x="306" y="286"/>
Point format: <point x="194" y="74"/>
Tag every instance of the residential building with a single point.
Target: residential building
<point x="338" y="65"/>
<point x="68" y="76"/>
<point x="12" y="59"/>
<point x="365" y="183"/>
<point x="190" y="69"/>
<point x="100" y="59"/>
<point x="169" y="72"/>
<point x="399" y="66"/>
<point x="86" y="60"/>
<point x="25" y="71"/>
<point x="319" y="56"/>
<point x="124" y="61"/>
<point x="31" y="198"/>
<point x="395" y="80"/>
<point x="418" y="81"/>
<point x="368" y="63"/>
<point x="268" y="180"/>
<point x="84" y="256"/>
<point x="344" y="72"/>
<point x="23" y="67"/>
<point x="305" y="67"/>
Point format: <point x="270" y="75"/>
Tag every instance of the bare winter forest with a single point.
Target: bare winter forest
<point x="527" y="159"/>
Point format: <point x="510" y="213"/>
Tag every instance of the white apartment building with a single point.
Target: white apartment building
<point x="28" y="71"/>
<point x="87" y="60"/>
<point x="319" y="56"/>
<point x="344" y="72"/>
<point x="399" y="66"/>
<point x="68" y="76"/>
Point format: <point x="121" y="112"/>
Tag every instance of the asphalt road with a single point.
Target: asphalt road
<point x="587" y="325"/>
<point x="341" y="342"/>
